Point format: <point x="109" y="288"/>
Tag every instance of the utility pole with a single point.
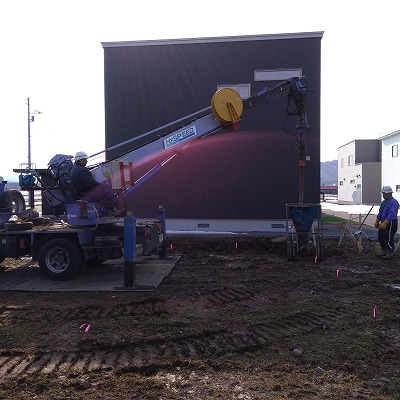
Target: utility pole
<point x="29" y="136"/>
<point x="31" y="118"/>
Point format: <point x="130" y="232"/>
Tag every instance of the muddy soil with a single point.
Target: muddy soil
<point x="234" y="320"/>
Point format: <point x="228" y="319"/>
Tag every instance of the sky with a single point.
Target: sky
<point x="52" y="54"/>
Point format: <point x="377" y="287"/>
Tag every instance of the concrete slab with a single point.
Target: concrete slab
<point x="149" y="272"/>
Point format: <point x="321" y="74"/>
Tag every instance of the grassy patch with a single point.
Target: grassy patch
<point x="333" y="219"/>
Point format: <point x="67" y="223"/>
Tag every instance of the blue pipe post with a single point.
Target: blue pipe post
<point x="161" y="216"/>
<point x="130" y="256"/>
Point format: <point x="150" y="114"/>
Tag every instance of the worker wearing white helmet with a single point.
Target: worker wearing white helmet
<point x="88" y="188"/>
<point x="80" y="155"/>
<point x="386" y="221"/>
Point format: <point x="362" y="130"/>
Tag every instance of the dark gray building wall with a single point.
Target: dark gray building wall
<point x="371" y="173"/>
<point x="251" y="173"/>
<point x="366" y="150"/>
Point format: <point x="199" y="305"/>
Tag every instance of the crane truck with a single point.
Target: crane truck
<point x="83" y="233"/>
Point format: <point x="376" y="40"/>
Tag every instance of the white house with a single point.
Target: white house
<point x="391" y="162"/>
<point x="359" y="172"/>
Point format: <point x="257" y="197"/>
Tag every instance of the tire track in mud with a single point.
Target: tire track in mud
<point x="12" y="314"/>
<point x="158" y="353"/>
<point x="214" y="298"/>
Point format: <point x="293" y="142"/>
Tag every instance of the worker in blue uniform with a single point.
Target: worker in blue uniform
<point x="386" y="222"/>
<point x="88" y="188"/>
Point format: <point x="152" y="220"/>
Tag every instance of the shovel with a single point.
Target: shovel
<point x="359" y="231"/>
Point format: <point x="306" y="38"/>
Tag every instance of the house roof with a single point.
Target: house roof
<point x="358" y="141"/>
<point x="390" y="135"/>
<point x="300" y="35"/>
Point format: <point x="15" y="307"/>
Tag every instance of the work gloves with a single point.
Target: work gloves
<point x="383" y="224"/>
<point x="376" y="224"/>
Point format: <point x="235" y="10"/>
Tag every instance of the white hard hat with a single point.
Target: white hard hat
<point x="80" y="155"/>
<point x="386" y="189"/>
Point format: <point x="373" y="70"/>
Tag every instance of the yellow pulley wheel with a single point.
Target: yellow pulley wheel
<point x="227" y="105"/>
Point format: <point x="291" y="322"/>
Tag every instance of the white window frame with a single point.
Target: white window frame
<point x="350" y="160"/>
<point x="395" y="150"/>
<point x="276" y="74"/>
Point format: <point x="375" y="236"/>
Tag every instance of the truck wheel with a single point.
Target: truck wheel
<point x="60" y="259"/>
<point x="14" y="199"/>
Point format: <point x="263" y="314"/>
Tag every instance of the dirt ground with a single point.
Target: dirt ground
<point x="234" y="320"/>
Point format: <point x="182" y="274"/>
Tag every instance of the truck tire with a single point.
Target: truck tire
<point x="60" y="259"/>
<point x="14" y="199"/>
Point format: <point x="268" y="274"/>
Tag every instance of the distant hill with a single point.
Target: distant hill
<point x="329" y="173"/>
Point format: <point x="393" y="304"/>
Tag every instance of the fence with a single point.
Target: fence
<point x="329" y="198"/>
<point x="37" y="199"/>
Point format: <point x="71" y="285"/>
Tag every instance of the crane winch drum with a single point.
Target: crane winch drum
<point x="227" y="105"/>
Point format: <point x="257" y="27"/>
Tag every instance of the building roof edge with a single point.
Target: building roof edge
<point x="389" y="135"/>
<point x="158" y="42"/>
<point x="358" y="140"/>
